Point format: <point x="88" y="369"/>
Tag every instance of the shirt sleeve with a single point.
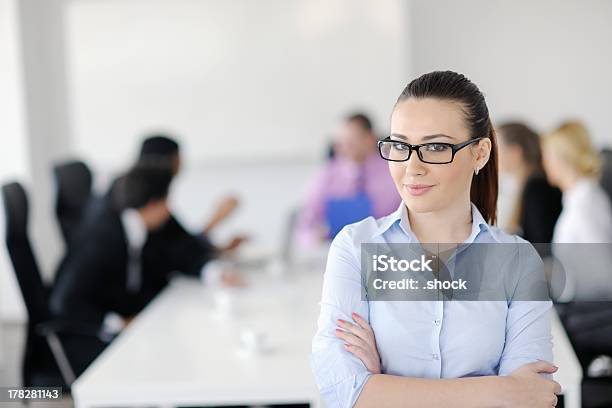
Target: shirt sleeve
<point x="184" y="251"/>
<point x="528" y="336"/>
<point x="339" y="375"/>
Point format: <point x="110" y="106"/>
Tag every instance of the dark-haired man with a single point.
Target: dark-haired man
<point x="104" y="271"/>
<point x="181" y="247"/>
<point x="163" y="148"/>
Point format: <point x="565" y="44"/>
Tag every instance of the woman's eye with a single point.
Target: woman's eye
<point x="436" y="147"/>
<point x="399" y="147"/>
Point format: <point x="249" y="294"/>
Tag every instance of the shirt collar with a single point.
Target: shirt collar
<point x="391" y="219"/>
<point x="400" y="216"/>
<point x="134" y="227"/>
<point x="479" y="224"/>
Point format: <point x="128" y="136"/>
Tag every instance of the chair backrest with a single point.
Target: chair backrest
<point x="606" y="171"/>
<point x="74" y="181"/>
<point x="288" y="238"/>
<point x="21" y="254"/>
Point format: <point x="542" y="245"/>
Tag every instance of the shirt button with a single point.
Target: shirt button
<point x="437" y="322"/>
<point x="435" y="356"/>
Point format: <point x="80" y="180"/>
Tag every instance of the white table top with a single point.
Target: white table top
<point x="569" y="374"/>
<point x="193" y="355"/>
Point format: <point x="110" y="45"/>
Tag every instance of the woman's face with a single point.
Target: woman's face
<point x="510" y="155"/>
<point x="553" y="164"/>
<point x="433" y="187"/>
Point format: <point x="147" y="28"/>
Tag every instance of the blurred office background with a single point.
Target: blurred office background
<point x="254" y="89"/>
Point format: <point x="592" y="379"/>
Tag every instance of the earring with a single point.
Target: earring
<point x="476" y="171"/>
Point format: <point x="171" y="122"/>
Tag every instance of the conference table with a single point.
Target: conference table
<point x="188" y="347"/>
<point x="569" y="374"/>
<point x="198" y="345"/>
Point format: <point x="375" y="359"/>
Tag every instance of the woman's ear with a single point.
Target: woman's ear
<point x="481" y="152"/>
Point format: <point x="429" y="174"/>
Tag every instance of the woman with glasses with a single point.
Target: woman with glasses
<point x="442" y="156"/>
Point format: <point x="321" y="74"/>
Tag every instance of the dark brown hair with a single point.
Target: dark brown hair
<point x="521" y="135"/>
<point x="362" y="119"/>
<point x="451" y="86"/>
<point x="148" y="180"/>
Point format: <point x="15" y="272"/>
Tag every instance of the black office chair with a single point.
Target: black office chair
<point x="45" y="362"/>
<point x="288" y="240"/>
<point x="606" y="171"/>
<point x="73" y="181"/>
<point x="585" y="322"/>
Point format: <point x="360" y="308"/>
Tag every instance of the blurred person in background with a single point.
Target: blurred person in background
<point x="353" y="185"/>
<point x="537" y="205"/>
<point x="171" y="237"/>
<point x="164" y="148"/>
<point x="572" y="164"/>
<point x="116" y="265"/>
<point x="104" y="272"/>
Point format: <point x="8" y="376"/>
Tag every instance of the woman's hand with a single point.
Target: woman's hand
<point x="359" y="340"/>
<point x="530" y="389"/>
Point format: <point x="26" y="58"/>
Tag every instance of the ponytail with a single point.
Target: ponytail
<point x="485" y="184"/>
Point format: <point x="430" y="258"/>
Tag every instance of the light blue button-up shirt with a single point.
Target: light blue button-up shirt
<point x="424" y="339"/>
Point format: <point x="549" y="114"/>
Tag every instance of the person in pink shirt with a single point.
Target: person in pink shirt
<point x="354" y="184"/>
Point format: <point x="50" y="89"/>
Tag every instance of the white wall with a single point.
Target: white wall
<point x="48" y="133"/>
<point x="541" y="61"/>
<point x="36" y="133"/>
<point x="272" y="76"/>
<point x="13" y="155"/>
<point x="12" y="126"/>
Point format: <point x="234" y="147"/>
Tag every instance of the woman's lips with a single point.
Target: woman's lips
<point x="417" y="189"/>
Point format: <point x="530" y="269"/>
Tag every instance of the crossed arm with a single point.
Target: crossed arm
<point x="525" y="387"/>
<point x="346" y="362"/>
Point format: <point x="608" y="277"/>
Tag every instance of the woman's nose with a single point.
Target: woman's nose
<point x="414" y="166"/>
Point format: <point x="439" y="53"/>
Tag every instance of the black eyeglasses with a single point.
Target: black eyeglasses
<point x="432" y="153"/>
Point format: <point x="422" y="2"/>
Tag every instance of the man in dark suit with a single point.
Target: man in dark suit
<point x="119" y="260"/>
<point x="182" y="247"/>
<point x="164" y="148"/>
<point x="161" y="148"/>
<point x="108" y="270"/>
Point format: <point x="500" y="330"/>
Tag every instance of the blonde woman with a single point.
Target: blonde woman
<point x="572" y="164"/>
